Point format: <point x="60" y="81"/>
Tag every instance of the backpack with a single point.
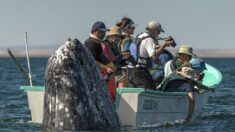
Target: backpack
<point x="135" y="59"/>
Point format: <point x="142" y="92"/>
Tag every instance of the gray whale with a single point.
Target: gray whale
<point x="76" y="96"/>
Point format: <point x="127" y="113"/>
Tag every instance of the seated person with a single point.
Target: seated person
<point x="158" y="66"/>
<point x="184" y="80"/>
<point x="182" y="58"/>
<point x="199" y="66"/>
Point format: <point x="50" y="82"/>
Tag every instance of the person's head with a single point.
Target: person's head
<point x="199" y="66"/>
<point x="115" y="34"/>
<point x="99" y="29"/>
<point x="185" y="53"/>
<point x="127" y="25"/>
<point x="154" y="28"/>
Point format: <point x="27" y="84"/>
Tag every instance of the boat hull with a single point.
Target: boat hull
<point x="147" y="107"/>
<point x="135" y="106"/>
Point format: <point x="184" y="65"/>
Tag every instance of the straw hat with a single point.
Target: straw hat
<point x="187" y="72"/>
<point x="185" y="49"/>
<point x="115" y="30"/>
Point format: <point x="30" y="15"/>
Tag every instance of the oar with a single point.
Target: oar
<point x="18" y="64"/>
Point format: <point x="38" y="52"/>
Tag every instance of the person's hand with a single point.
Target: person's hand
<point x="168" y="43"/>
<point x="110" y="70"/>
<point x="211" y="89"/>
<point x="126" y="54"/>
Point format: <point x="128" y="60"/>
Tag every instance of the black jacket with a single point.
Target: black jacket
<point x="96" y="50"/>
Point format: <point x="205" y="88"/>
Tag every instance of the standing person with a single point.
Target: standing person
<point x="127" y="25"/>
<point x="184" y="80"/>
<point x="111" y="51"/>
<point x="139" y="76"/>
<point x="93" y="43"/>
<point x="182" y="59"/>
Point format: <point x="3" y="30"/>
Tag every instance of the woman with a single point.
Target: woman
<point x="127" y="25"/>
<point x="111" y="51"/>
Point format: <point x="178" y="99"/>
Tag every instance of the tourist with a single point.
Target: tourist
<point x="112" y="52"/>
<point x="139" y="76"/>
<point x="182" y="59"/>
<point x="184" y="80"/>
<point x="199" y="65"/>
<point x="127" y="25"/>
<point x="93" y="43"/>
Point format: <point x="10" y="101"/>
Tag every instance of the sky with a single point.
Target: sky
<point x="202" y="24"/>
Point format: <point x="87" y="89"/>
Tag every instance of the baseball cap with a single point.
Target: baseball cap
<point x="198" y="63"/>
<point x="155" y="24"/>
<point x="99" y="26"/>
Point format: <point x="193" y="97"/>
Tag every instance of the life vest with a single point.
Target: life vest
<point x="135" y="59"/>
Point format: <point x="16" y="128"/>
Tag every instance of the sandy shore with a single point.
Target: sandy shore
<point x="48" y="52"/>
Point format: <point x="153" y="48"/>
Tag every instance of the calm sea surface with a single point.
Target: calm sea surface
<point x="219" y="114"/>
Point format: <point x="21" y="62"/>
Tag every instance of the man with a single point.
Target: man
<point x="182" y="59"/>
<point x="184" y="80"/>
<point x="139" y="76"/>
<point x="93" y="43"/>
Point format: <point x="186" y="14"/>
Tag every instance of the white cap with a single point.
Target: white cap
<point x="155" y="24"/>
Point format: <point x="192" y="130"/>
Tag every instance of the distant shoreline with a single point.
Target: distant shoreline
<point x="48" y="52"/>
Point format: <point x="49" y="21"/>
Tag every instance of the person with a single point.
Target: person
<point x="111" y="51"/>
<point x="128" y="27"/>
<point x="183" y="56"/>
<point x="199" y="65"/>
<point x="184" y="80"/>
<point x="157" y="71"/>
<point x="93" y="43"/>
<point x="139" y="76"/>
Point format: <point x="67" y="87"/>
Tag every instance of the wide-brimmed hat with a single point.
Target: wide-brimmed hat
<point x="115" y="30"/>
<point x="187" y="72"/>
<point x="155" y="24"/>
<point x="185" y="49"/>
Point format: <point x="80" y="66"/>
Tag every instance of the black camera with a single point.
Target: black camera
<point x="170" y="39"/>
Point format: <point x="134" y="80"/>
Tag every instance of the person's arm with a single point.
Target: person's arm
<point x="201" y="86"/>
<point x="102" y="66"/>
<point x="161" y="49"/>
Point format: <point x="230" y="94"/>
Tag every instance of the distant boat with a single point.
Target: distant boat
<point x="138" y="106"/>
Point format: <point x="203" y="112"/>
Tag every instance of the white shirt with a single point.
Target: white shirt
<point x="168" y="68"/>
<point x="147" y="46"/>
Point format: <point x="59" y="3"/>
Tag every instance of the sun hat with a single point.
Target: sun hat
<point x="99" y="26"/>
<point x="115" y="30"/>
<point x="187" y="72"/>
<point x="185" y="49"/>
<point x="155" y="24"/>
<point x="198" y="64"/>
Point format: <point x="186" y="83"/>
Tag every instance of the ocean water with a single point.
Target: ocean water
<point x="218" y="116"/>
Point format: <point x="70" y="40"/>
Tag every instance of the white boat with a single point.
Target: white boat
<point x="138" y="106"/>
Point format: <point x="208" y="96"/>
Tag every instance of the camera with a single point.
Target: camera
<point x="170" y="39"/>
